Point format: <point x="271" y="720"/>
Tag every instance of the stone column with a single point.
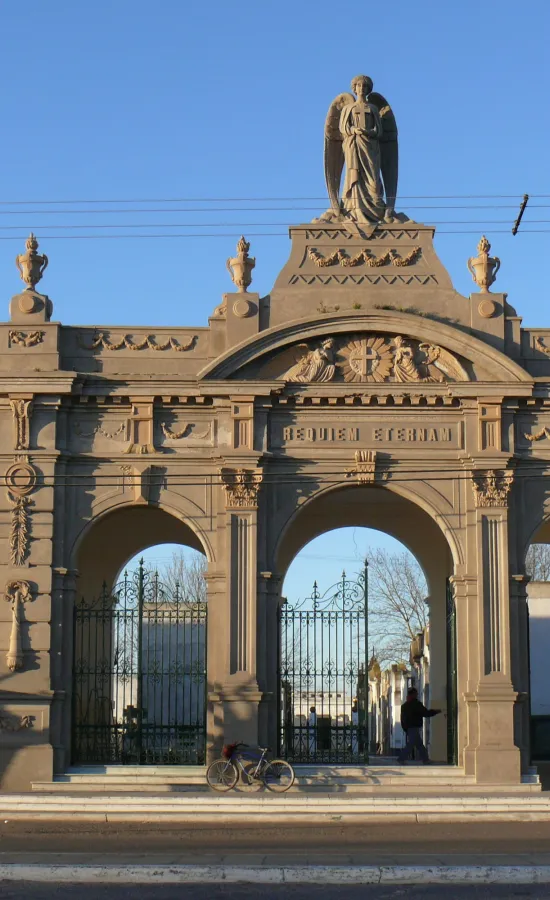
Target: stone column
<point x="236" y="693"/>
<point x="497" y="759"/>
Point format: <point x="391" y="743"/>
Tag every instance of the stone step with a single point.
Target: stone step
<point x="265" y="807"/>
<point x="399" y="786"/>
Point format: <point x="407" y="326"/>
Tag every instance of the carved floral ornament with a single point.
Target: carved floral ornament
<point x="364" y="469"/>
<point x="25" y="338"/>
<point x="491" y="488"/>
<point x="372" y="358"/>
<point x="241" y="487"/>
<point x="17" y="594"/>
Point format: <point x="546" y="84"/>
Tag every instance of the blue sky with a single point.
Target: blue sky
<point x="133" y="100"/>
<point x="121" y="100"/>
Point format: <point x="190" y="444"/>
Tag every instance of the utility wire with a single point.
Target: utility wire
<point x="107" y="237"/>
<point x="481" y="223"/>
<point x="323" y="199"/>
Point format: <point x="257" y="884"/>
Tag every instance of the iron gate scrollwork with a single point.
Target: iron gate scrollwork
<point x="323" y="674"/>
<point x="139" y="678"/>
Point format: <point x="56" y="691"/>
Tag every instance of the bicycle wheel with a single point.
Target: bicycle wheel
<point x="222" y="775"/>
<point x="279" y="775"/>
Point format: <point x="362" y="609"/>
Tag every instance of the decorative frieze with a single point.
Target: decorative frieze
<point x="101" y="342"/>
<point x="364" y="468"/>
<point x="342" y="258"/>
<point x="491" y="488"/>
<point x="21" y="411"/>
<point x="17" y="594"/>
<point x="241" y="487"/>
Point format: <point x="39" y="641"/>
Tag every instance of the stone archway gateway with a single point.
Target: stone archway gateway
<point x="363" y="375"/>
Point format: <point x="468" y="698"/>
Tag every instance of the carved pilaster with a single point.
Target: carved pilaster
<point x="21" y="410"/>
<point x="242" y="414"/>
<point x="489" y="425"/>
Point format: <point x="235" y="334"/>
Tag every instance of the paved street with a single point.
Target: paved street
<point x="498" y="843"/>
<point x="265" y="892"/>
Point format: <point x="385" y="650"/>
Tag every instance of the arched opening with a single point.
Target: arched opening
<point x="326" y="654"/>
<point x="537" y="567"/>
<point x="139" y="656"/>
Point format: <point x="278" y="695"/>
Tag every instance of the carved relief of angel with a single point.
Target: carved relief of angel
<point x="445" y="362"/>
<point x="313" y="365"/>
<point x="361" y="132"/>
<point x="404" y="365"/>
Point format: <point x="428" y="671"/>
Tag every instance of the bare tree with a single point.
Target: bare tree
<point x="537" y="562"/>
<point x="397" y="604"/>
<point x="185" y="573"/>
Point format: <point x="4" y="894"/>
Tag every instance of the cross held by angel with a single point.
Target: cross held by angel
<point x="361" y="133"/>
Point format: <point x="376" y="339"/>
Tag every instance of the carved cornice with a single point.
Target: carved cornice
<point x="241" y="487"/>
<point x="492" y="488"/>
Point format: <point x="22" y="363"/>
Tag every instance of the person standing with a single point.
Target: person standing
<point x="312" y="731"/>
<point x="413" y="712"/>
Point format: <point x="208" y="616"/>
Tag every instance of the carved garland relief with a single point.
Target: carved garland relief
<point x="373" y="358"/>
<point x="100" y="341"/>
<point x="20" y="481"/>
<point x="342" y="258"/>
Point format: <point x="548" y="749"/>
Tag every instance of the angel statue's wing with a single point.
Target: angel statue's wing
<point x="334" y="155"/>
<point x="445" y="361"/>
<point x="294" y="361"/>
<point x="388" y="147"/>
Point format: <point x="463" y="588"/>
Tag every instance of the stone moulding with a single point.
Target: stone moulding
<point x="492" y="488"/>
<point x="25" y="338"/>
<point x="101" y="342"/>
<point x="361" y="279"/>
<point x="340" y="257"/>
<point x="241" y="487"/>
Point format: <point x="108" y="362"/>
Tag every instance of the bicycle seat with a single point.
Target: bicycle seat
<point x="265" y="749"/>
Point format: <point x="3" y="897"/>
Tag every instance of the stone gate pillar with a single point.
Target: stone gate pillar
<point x="492" y="754"/>
<point x="232" y="647"/>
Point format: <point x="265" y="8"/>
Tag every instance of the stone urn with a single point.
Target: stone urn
<point x="483" y="267"/>
<point x="31" y="264"/>
<point x="240" y="266"/>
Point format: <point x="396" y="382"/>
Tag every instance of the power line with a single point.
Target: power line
<point x="322" y="199"/>
<point x="106" y="237"/>
<point x="481" y="223"/>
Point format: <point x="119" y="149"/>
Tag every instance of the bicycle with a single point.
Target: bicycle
<point x="222" y="775"/>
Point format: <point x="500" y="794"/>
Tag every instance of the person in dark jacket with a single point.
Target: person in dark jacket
<point x="412" y="714"/>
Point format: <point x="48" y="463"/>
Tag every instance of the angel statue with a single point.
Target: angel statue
<point x="361" y="132"/>
<point x="313" y="365"/>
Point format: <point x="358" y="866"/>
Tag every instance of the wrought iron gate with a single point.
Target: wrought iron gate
<point x="323" y="674"/>
<point x="139" y="679"/>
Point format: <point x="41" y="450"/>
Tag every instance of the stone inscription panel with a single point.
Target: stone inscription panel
<point x="377" y="432"/>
